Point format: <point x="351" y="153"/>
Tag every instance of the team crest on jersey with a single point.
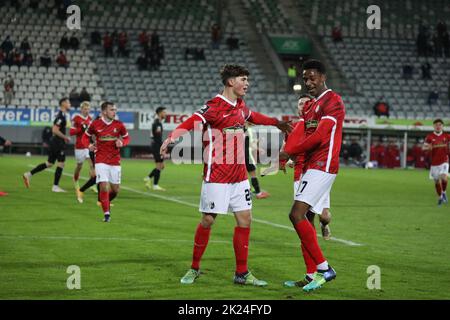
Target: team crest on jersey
<point x="115" y="130"/>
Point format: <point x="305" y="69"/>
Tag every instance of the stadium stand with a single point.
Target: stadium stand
<point x="371" y="60"/>
<point x="41" y="86"/>
<point x="269" y="16"/>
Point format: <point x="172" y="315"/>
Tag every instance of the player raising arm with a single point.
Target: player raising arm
<point x="225" y="183"/>
<point x="110" y="135"/>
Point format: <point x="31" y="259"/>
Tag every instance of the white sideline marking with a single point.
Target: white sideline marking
<point x="99" y="238"/>
<point x="346" y="242"/>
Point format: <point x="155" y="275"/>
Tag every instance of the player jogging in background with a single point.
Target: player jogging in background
<point x="4" y="143"/>
<point x="437" y="143"/>
<point x="92" y="182"/>
<point x="80" y="122"/>
<point x="110" y="136"/>
<point x="321" y="148"/>
<point x="251" y="146"/>
<point x="225" y="183"/>
<point x="57" y="147"/>
<point x="157" y="132"/>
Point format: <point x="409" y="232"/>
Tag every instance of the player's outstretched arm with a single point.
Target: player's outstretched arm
<point x="179" y="131"/>
<point x="261" y="119"/>
<point x="74" y="131"/>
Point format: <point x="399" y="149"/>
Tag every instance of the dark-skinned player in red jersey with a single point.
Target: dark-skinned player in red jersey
<point x="321" y="148"/>
<point x="438" y="143"/>
<point x="225" y="183"/>
<point x="110" y="136"/>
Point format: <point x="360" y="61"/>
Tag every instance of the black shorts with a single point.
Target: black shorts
<point x="155" y="148"/>
<point x="56" y="153"/>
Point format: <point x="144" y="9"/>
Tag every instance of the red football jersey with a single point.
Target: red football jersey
<point x="329" y="106"/>
<point x="106" y="134"/>
<point x="80" y="124"/>
<point x="299" y="162"/>
<point x="439" y="147"/>
<point x="223" y="124"/>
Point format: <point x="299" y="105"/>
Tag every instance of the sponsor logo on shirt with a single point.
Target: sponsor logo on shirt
<point x="312" y="124"/>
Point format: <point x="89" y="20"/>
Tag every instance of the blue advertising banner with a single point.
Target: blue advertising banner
<point x="41" y="117"/>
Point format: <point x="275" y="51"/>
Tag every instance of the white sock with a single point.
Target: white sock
<point x="107" y="213"/>
<point x="310" y="275"/>
<point x="323" y="266"/>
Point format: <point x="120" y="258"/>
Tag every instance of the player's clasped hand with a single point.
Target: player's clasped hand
<point x="67" y="139"/>
<point x="91" y="147"/>
<point x="285" y="126"/>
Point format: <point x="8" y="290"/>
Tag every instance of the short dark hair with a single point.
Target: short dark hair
<point x="231" y="71"/>
<point x="159" y="109"/>
<point x="438" y="120"/>
<point x="105" y="105"/>
<point x="315" y="64"/>
<point x="62" y="100"/>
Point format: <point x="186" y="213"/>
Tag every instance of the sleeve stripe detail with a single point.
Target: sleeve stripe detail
<point x="203" y="118"/>
<point x="329" y="117"/>
<point x="87" y="133"/>
<point x="250" y="113"/>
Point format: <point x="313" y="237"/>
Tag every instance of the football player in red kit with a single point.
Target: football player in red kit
<point x="320" y="140"/>
<point x="110" y="136"/>
<point x="80" y="122"/>
<point x="437" y="143"/>
<point x="225" y="182"/>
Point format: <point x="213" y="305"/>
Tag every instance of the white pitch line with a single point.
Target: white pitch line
<point x="10" y="236"/>
<point x="276" y="225"/>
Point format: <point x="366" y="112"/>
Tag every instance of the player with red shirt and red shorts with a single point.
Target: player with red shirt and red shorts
<point x="225" y="183"/>
<point x="437" y="143"/>
<point x="110" y="136"/>
<point x="320" y="140"/>
<point x="80" y="122"/>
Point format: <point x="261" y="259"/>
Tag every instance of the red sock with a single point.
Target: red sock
<point x="76" y="176"/>
<point x="438" y="188"/>
<point x="309" y="261"/>
<point x="104" y="199"/>
<point x="444" y="185"/>
<point x="200" y="242"/>
<point x="240" y="244"/>
<point x="308" y="237"/>
<point x="112" y="195"/>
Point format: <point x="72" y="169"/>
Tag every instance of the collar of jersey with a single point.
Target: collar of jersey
<point x="438" y="134"/>
<point x="226" y="100"/>
<point x="323" y="93"/>
<point x="107" y="123"/>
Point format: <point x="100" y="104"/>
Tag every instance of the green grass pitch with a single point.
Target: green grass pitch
<point x="147" y="247"/>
